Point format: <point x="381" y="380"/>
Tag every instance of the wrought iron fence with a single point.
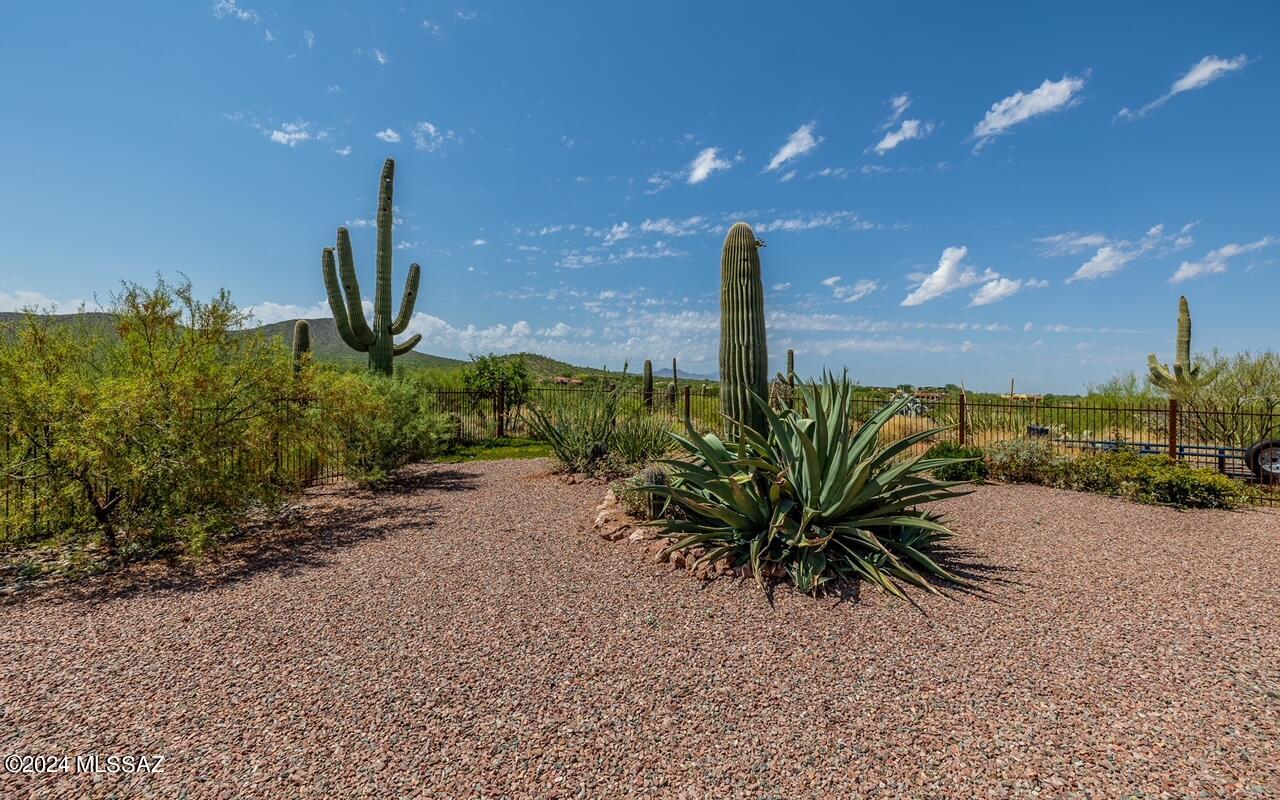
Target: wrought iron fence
<point x="315" y="453"/>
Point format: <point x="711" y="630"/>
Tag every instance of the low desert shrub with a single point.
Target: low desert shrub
<point x="592" y="435"/>
<point x="1156" y="480"/>
<point x="133" y="425"/>
<point x="804" y="499"/>
<point x="383" y="424"/>
<point x="971" y="468"/>
<point x="1024" y="461"/>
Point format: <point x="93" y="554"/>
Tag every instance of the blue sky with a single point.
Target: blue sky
<point x="947" y="193"/>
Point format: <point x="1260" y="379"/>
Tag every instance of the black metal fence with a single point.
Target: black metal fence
<point x="315" y="453"/>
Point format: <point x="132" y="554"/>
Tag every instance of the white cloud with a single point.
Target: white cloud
<point x="379" y="56"/>
<point x="228" y="8"/>
<point x="1019" y="107"/>
<point x="899" y="105"/>
<point x="390" y="135"/>
<point x="431" y="27"/>
<point x="23" y="299"/>
<point x="430" y="139"/>
<point x="310" y="38"/>
<point x="1106" y="261"/>
<point x="1216" y="260"/>
<point x="343" y="151"/>
<point x="952" y="273"/>
<point x="801" y="142"/>
<point x="831" y="172"/>
<point x="781" y="287"/>
<point x="1000" y="288"/>
<point x="910" y="129"/>
<point x="268" y="35"/>
<point x="674" y="227"/>
<point x="1205" y="72"/>
<point x="831" y="219"/>
<point x="1114" y="256"/>
<point x="850" y="293"/>
<point x="787" y="176"/>
<point x="267" y="312"/>
<point x="705" y="163"/>
<point x="466" y="16"/>
<point x="291" y="134"/>
<point x="478" y="242"/>
<point x="1070" y="243"/>
<point x="1030" y="326"/>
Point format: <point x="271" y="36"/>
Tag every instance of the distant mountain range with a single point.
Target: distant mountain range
<point x="327" y="345"/>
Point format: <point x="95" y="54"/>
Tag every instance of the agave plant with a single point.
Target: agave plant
<point x="811" y="496"/>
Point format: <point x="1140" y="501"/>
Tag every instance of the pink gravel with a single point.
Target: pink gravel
<point x="466" y="636"/>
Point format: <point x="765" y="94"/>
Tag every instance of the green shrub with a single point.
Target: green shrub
<point x="135" y="433"/>
<point x="1156" y="480"/>
<point x="384" y="424"/>
<point x="972" y="468"/>
<point x="638" y="440"/>
<point x="806" y="499"/>
<point x="579" y="432"/>
<point x="1024" y="461"/>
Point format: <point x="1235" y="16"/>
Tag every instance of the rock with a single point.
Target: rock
<point x="678" y="559"/>
<point x="619" y="533"/>
<point x="640" y="535"/>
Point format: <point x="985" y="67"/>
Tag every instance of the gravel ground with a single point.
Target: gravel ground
<point x="466" y="636"/>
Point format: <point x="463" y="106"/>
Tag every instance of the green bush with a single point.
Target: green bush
<point x="1024" y="461"/>
<point x="973" y="468"/>
<point x="1156" y="480"/>
<point x="383" y="422"/>
<point x="135" y="431"/>
<point x="805" y="499"/>
<point x="638" y="440"/>
<point x="579" y="432"/>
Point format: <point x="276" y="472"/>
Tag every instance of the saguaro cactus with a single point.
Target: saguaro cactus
<point x="744" y="367"/>
<point x="675" y="376"/>
<point x="301" y="342"/>
<point x="1183" y="376"/>
<point x="648" y="384"/>
<point x="791" y="368"/>
<point x="348" y="310"/>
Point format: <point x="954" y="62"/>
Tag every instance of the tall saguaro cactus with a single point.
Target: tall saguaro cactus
<point x="345" y="301"/>
<point x="1183" y="376"/>
<point x="744" y="367"/>
<point x="791" y="368"/>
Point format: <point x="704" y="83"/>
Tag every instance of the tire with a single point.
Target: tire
<point x="1263" y="459"/>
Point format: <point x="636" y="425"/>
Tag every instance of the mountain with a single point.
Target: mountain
<point x="327" y="345"/>
<point x="692" y="376"/>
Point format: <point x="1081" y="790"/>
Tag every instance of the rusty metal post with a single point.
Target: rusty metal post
<point x="686" y="402"/>
<point x="500" y="408"/>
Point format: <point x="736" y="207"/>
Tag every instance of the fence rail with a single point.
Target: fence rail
<point x="1213" y="439"/>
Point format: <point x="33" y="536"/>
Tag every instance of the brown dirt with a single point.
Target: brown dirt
<point x="463" y="635"/>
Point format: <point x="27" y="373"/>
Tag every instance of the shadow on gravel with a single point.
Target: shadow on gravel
<point x="304" y="536"/>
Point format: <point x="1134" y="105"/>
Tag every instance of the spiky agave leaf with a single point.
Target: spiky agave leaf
<point x="813" y="495"/>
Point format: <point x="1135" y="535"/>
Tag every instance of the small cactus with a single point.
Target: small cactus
<point x="648" y="384"/>
<point x="1183" y="376"/>
<point x="671" y="393"/>
<point x="345" y="300"/>
<point x="744" y="368"/>
<point x="791" y="368"/>
<point x="653" y="476"/>
<point x="301" y="343"/>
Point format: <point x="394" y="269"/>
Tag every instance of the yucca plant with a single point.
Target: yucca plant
<point x="811" y="496"/>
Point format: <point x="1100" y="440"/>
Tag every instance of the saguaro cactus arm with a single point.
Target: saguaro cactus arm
<point x="407" y="344"/>
<point x="407" y="301"/>
<point x="351" y="288"/>
<point x="338" y="305"/>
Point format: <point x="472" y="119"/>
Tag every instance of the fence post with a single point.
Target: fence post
<point x="962" y="419"/>
<point x="1173" y="428"/>
<point x="686" y="402"/>
<point x="500" y="408"/>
